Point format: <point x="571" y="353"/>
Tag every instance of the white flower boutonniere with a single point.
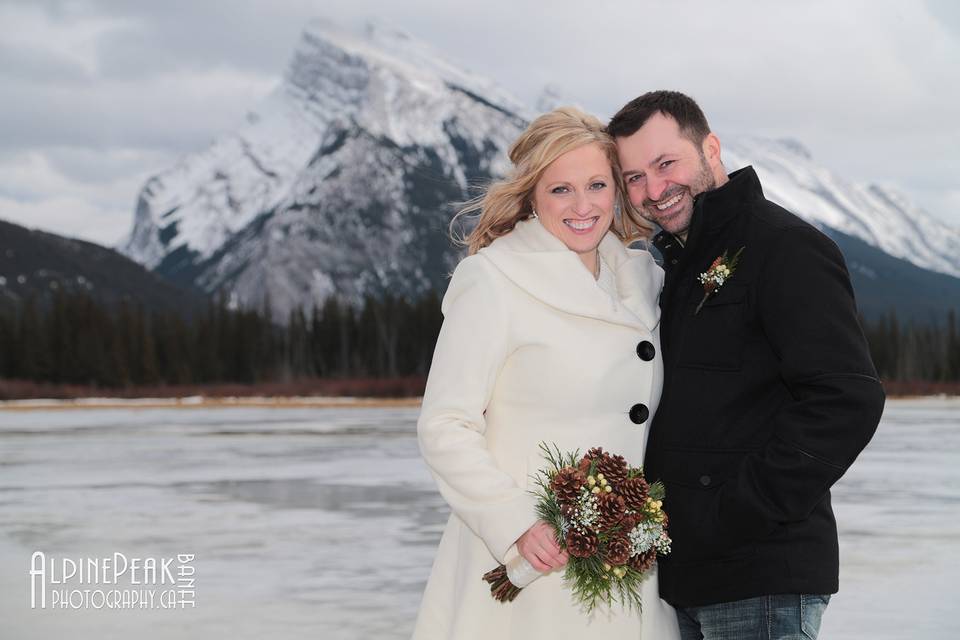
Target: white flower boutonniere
<point x="719" y="272"/>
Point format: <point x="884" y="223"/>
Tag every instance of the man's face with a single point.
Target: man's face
<point x="664" y="170"/>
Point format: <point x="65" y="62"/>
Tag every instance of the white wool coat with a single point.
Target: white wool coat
<point x="532" y="350"/>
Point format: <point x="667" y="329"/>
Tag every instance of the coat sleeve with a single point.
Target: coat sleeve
<point x="808" y="314"/>
<point x="471" y="349"/>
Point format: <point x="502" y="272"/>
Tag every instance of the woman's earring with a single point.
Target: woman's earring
<point x="535" y="214"/>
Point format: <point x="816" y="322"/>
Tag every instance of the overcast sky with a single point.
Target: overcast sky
<point x="96" y="96"/>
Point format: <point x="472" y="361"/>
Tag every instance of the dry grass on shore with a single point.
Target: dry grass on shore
<point x="911" y="389"/>
<point x="307" y="393"/>
<point x="309" y="402"/>
<point x="341" y="392"/>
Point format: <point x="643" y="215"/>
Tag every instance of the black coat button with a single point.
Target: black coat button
<point x="646" y="350"/>
<point x="639" y="413"/>
<point x="705" y="481"/>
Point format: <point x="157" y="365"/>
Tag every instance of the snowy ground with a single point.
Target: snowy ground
<point x="322" y="523"/>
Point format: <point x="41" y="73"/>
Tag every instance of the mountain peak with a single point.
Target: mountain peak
<point x="339" y="183"/>
<point x="876" y="215"/>
<point x="390" y="37"/>
<point x="380" y="48"/>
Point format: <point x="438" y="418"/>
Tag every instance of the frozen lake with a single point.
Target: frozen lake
<point x="322" y="523"/>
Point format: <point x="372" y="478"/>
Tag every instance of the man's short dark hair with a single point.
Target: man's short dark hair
<point x="680" y="107"/>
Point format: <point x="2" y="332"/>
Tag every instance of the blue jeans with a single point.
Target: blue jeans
<point x="779" y="617"/>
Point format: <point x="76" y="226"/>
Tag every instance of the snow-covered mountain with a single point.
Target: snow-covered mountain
<point x="344" y="180"/>
<point x="879" y="216"/>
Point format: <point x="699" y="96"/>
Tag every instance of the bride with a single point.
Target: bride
<point x="550" y="334"/>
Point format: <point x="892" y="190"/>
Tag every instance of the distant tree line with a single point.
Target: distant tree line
<point x="73" y="339"/>
<point x="911" y="351"/>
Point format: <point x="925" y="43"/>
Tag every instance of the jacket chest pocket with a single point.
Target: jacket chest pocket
<point x="714" y="337"/>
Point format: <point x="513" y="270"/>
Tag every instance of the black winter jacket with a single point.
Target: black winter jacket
<point x="769" y="396"/>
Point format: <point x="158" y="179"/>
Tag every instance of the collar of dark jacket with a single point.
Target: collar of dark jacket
<point x="722" y="204"/>
<point x="669" y="247"/>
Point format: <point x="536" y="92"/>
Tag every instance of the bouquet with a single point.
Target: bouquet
<point x="609" y="520"/>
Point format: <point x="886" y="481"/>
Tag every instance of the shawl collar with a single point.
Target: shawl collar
<point x="540" y="264"/>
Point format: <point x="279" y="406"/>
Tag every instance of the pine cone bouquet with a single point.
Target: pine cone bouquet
<point x="606" y="516"/>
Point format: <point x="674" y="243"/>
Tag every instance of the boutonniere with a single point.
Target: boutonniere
<point x="719" y="272"/>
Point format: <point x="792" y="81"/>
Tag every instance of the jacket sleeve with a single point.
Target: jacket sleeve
<point x="471" y="349"/>
<point x="808" y="314"/>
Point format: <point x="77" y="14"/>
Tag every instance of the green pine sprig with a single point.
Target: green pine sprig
<point x="589" y="579"/>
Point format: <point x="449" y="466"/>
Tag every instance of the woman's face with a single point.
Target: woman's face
<point x="575" y="197"/>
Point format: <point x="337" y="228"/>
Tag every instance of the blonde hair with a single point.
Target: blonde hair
<point x="509" y="200"/>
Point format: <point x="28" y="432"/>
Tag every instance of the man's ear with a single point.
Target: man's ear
<point x="711" y="149"/>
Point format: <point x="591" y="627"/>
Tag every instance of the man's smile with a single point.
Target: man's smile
<point x="669" y="203"/>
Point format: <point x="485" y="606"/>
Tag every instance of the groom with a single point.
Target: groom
<point x="769" y="392"/>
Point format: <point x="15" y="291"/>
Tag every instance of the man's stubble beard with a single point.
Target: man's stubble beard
<point x="703" y="182"/>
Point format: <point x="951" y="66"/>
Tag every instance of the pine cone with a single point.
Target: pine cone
<point x="613" y="468"/>
<point x="634" y="492"/>
<point x="566" y="485"/>
<point x="630" y="521"/>
<point x="611" y="508"/>
<point x="644" y="561"/>
<point x="581" y="544"/>
<point x="585" y="465"/>
<point x="618" y="550"/>
<point x="595" y="454"/>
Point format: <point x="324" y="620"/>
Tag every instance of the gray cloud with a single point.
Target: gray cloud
<point x="175" y="112"/>
<point x="27" y="64"/>
<point x="948" y="12"/>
